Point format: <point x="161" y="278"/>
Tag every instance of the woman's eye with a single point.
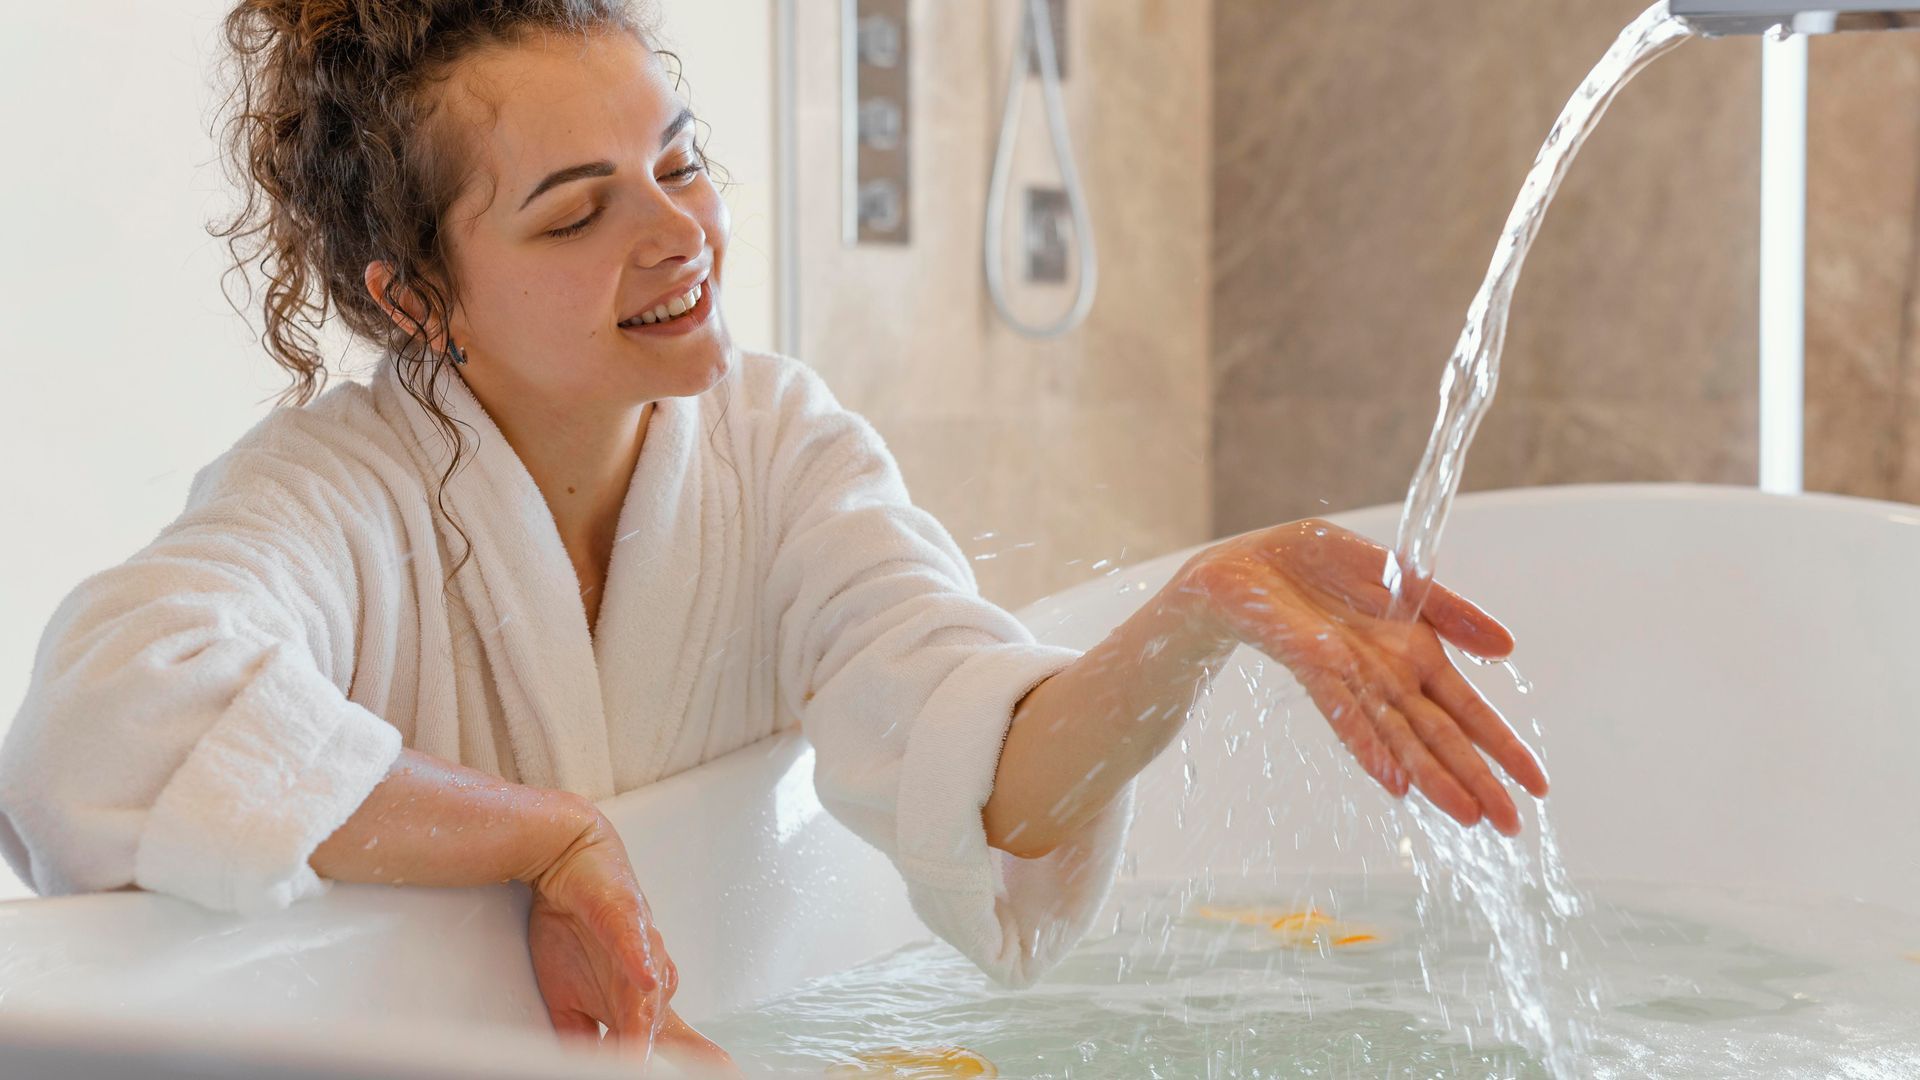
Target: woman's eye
<point x="578" y="226"/>
<point x="684" y="173"/>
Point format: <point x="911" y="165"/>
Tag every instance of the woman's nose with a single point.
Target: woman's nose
<point x="668" y="233"/>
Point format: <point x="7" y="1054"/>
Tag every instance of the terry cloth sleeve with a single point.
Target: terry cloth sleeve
<point x="185" y="728"/>
<point x="905" y="681"/>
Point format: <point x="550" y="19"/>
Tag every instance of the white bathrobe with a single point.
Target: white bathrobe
<point x="202" y="716"/>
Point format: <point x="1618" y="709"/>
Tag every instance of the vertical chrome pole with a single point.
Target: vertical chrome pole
<point x="1783" y="261"/>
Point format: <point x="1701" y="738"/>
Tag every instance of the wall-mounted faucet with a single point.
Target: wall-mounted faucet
<point x="1714" y="18"/>
<point x="1783" y="194"/>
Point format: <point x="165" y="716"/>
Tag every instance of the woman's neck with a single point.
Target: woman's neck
<point x="583" y="465"/>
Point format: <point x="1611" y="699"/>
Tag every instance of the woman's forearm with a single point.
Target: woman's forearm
<point x="431" y="822"/>
<point x="1079" y="737"/>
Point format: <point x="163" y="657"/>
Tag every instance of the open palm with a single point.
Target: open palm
<point x="1309" y="594"/>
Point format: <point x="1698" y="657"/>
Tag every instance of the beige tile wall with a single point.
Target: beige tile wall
<point x="1312" y="207"/>
<point x="1366" y="156"/>
<point x="1042" y="459"/>
<point x="1863" y="183"/>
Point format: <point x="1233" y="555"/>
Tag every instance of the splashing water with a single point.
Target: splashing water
<point x="1319" y="977"/>
<point x="1522" y="903"/>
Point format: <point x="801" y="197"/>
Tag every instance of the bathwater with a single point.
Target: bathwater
<point x="1344" y="977"/>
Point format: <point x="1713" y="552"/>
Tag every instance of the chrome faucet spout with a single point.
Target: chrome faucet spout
<point x="1717" y="18"/>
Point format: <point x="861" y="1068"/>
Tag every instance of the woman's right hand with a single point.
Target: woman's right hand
<point x="599" y="960"/>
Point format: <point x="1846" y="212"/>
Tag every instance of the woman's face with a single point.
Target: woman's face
<point x="588" y="213"/>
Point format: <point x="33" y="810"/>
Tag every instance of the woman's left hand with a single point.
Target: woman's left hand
<point x="1310" y="595"/>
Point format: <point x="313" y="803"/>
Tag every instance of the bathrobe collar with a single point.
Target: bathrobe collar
<point x="579" y="708"/>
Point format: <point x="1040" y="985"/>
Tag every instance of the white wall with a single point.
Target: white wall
<point x="726" y="47"/>
<point x="125" y="370"/>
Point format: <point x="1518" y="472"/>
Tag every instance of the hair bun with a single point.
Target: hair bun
<point x="297" y="18"/>
<point x="391" y="29"/>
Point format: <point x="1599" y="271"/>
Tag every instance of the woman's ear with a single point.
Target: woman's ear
<point x="410" y="314"/>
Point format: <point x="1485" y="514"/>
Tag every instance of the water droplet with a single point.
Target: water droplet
<point x="1520" y="682"/>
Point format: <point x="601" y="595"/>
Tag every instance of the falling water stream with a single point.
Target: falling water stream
<point x="1472" y="373"/>
<point x="1523" y="902"/>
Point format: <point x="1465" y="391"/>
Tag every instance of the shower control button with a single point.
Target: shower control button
<point x="881" y="123"/>
<point x="1048" y="234"/>
<point x="882" y="207"/>
<point x="880" y="41"/>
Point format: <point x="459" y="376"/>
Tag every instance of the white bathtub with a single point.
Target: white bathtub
<point x="1728" y="681"/>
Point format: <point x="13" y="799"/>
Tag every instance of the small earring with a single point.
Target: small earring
<point x="459" y="358"/>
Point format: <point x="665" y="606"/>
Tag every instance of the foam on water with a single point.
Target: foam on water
<point x="1686" y="982"/>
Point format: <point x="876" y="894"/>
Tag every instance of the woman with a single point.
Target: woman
<point x="570" y="540"/>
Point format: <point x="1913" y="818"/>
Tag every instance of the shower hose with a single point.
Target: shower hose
<point x="1036" y="38"/>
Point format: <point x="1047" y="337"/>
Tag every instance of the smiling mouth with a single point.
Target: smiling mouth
<point x="669" y="311"/>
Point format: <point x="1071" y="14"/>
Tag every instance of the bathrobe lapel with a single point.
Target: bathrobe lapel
<point x="664" y="590"/>
<point x="603" y="712"/>
<point x="521" y="594"/>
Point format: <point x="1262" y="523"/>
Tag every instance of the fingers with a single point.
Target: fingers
<point x="1452" y="749"/>
<point x="679" y="1041"/>
<point x="663" y="965"/>
<point x="1350" y="722"/>
<point x="1435" y="781"/>
<point x="1450" y="690"/>
<point x="1381" y="739"/>
<point x="1413" y="737"/>
<point x="638" y="960"/>
<point x="1337" y="702"/>
<point x="1461" y="622"/>
<point x="643" y="1009"/>
<point x="636" y="1024"/>
<point x="623" y="931"/>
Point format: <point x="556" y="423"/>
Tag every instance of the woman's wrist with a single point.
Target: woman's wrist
<point x="1173" y="644"/>
<point x="432" y="822"/>
<point x="1082" y="735"/>
<point x="558" y="824"/>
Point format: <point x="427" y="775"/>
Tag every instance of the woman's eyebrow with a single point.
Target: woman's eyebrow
<point x="673" y="128"/>
<point x="589" y="169"/>
<point x="567" y="175"/>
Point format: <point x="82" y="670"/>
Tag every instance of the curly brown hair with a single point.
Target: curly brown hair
<point x="331" y="134"/>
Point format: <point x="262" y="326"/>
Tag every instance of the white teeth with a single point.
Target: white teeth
<point x="672" y="309"/>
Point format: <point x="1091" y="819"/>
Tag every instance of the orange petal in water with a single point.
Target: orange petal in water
<point x="902" y="1063"/>
<point x="1243" y="916"/>
<point x="1272" y="918"/>
<point x="1306" y="928"/>
<point x="1302" y="920"/>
